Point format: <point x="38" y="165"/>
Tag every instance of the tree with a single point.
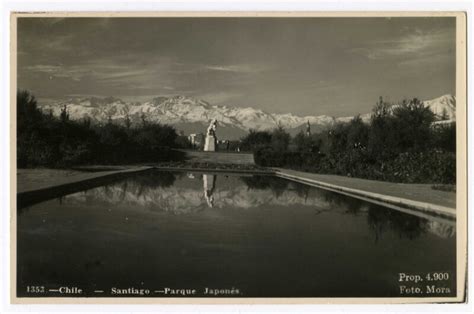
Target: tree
<point x="183" y="142"/>
<point x="412" y="126"/>
<point x="87" y="122"/>
<point x="307" y="143"/>
<point x="380" y="139"/>
<point x="357" y="133"/>
<point x="445" y="137"/>
<point x="381" y="108"/>
<point x="144" y="121"/>
<point x="26" y="105"/>
<point x="337" y="139"/>
<point x="29" y="120"/>
<point x="280" y="139"/>
<point x="302" y="142"/>
<point x="256" y="139"/>
<point x="64" y="116"/>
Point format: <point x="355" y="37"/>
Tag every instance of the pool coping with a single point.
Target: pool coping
<point x="32" y="196"/>
<point x="398" y="203"/>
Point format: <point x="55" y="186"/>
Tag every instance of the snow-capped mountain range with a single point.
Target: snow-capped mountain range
<point x="193" y="115"/>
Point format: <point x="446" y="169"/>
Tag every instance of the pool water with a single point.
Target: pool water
<point x="234" y="235"/>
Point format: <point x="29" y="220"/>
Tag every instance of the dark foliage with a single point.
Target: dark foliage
<point x="400" y="144"/>
<point x="255" y="140"/>
<point x="44" y="140"/>
<point x="183" y="142"/>
<point x="280" y="140"/>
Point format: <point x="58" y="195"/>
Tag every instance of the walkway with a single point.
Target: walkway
<point x="414" y="196"/>
<point x="34" y="185"/>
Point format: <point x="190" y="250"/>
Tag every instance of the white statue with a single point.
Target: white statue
<point x="211" y="140"/>
<point x="211" y="130"/>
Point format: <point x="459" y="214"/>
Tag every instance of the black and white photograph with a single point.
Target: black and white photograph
<point x="239" y="157"/>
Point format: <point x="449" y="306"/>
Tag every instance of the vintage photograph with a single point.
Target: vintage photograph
<point x="239" y="157"/>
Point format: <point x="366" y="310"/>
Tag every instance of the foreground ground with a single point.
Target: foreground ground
<point x="37" y="179"/>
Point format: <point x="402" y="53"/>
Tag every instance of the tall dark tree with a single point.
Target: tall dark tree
<point x="412" y="126"/>
<point x="280" y="139"/>
<point x="64" y="116"/>
<point x="256" y="139"/>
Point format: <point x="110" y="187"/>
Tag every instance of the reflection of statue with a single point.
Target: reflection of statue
<point x="211" y="140"/>
<point x="209" y="181"/>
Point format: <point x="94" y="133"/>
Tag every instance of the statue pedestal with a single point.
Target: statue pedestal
<point x="210" y="144"/>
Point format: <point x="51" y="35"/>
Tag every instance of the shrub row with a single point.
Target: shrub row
<point x="434" y="166"/>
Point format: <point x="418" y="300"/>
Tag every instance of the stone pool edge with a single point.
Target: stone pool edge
<point x="32" y="196"/>
<point x="402" y="203"/>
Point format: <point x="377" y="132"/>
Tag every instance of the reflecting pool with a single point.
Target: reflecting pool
<point x="244" y="236"/>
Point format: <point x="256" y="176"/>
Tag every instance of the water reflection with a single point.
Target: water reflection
<point x="275" y="184"/>
<point x="351" y="205"/>
<point x="182" y="193"/>
<point x="209" y="182"/>
<point x="382" y="219"/>
<point x="442" y="230"/>
<point x="185" y="193"/>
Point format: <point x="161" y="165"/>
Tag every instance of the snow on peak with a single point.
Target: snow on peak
<point x="444" y="107"/>
<point x="182" y="109"/>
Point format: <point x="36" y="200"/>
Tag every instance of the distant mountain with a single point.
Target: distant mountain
<point x="193" y="115"/>
<point x="444" y="105"/>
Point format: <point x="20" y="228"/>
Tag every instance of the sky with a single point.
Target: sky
<point x="305" y="66"/>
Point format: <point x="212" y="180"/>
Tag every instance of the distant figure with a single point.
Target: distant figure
<point x="308" y="129"/>
<point x="228" y="144"/>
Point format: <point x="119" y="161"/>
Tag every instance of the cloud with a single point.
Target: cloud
<point x="219" y="97"/>
<point x="414" y="43"/>
<point x="426" y="60"/>
<point x="74" y="73"/>
<point x="44" y="68"/>
<point x="149" y="73"/>
<point x="238" y="68"/>
<point x="120" y="73"/>
<point x="54" y="44"/>
<point x="322" y="87"/>
<point x="113" y="71"/>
